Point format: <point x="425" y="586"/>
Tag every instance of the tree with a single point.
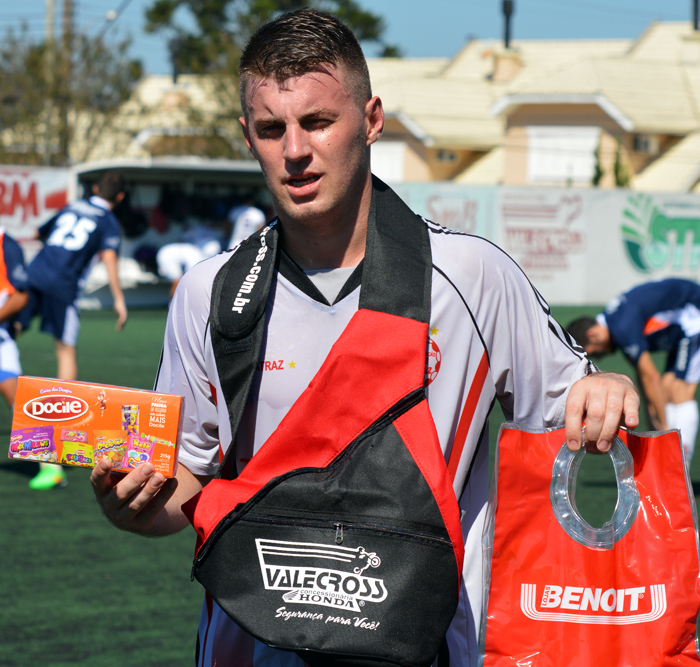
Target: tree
<point x="212" y="46"/>
<point x="56" y="101"/>
<point x="223" y="27"/>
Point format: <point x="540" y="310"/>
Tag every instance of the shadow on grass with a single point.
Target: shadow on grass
<point x="24" y="468"/>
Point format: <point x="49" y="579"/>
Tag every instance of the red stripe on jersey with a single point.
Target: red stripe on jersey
<point x="433" y="469"/>
<point x="465" y="420"/>
<point x="653" y="325"/>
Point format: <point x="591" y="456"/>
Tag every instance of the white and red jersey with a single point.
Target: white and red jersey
<point x="491" y="337"/>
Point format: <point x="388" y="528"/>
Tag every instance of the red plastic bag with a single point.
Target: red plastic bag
<point x="561" y="593"/>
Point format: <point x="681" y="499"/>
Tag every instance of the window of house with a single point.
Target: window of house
<point x="561" y="153"/>
<point x="447" y="156"/>
<point x="388" y="158"/>
<point x="646" y="143"/>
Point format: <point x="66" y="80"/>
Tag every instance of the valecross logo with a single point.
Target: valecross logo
<point x="55" y="408"/>
<point x="310" y="574"/>
<point x="612" y="606"/>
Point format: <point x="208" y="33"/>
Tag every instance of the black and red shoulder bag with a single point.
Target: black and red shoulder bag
<point x="340" y="540"/>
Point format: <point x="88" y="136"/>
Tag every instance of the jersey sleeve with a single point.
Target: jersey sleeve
<point x="183" y="370"/>
<point x="14" y="263"/>
<point x="111" y="234"/>
<point x="533" y="361"/>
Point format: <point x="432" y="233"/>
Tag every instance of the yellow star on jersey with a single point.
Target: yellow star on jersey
<point x="433" y="331"/>
<point x="292" y="364"/>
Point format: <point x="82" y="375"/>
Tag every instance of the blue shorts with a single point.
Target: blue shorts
<point x="684" y="360"/>
<point x="60" y="316"/>
<point x="9" y="357"/>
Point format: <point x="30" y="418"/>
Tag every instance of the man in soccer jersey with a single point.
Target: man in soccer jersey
<point x="309" y="118"/>
<point x="661" y="315"/>
<point x="13" y="298"/>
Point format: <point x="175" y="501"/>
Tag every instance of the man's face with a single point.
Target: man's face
<point x="311" y="137"/>
<point x="600" y="342"/>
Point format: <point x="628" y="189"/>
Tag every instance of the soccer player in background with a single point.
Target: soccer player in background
<point x="73" y="238"/>
<point x="661" y="315"/>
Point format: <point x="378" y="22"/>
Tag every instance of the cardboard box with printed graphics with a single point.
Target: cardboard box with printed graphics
<point x="79" y="423"/>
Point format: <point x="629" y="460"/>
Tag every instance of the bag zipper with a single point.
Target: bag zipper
<point x="345" y="525"/>
<point x="394" y="412"/>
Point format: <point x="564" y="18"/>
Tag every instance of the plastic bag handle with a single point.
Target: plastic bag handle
<point x="562" y="494"/>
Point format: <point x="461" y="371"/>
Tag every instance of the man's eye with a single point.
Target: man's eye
<point x="317" y="123"/>
<point x="270" y="130"/>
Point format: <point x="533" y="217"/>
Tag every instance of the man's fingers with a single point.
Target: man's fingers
<point x="101" y="478"/>
<point x="575" y="409"/>
<point x="631" y="407"/>
<point x="146" y="515"/>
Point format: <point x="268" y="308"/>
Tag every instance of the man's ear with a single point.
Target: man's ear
<point x="374" y="119"/>
<point x="246" y="133"/>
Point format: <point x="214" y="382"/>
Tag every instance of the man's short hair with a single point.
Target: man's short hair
<point x="578" y="329"/>
<point x="301" y="42"/>
<point x="110" y="185"/>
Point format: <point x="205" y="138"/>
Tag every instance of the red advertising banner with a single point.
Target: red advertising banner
<point x="28" y="197"/>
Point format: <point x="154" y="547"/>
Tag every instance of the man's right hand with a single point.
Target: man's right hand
<point x="133" y="502"/>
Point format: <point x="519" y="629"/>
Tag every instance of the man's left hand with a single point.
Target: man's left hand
<point x="604" y="401"/>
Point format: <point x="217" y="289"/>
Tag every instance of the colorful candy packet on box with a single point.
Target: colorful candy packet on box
<point x="139" y="450"/>
<point x="130" y="418"/>
<point x="33" y="444"/>
<point x="75" y="448"/>
<point x="112" y="445"/>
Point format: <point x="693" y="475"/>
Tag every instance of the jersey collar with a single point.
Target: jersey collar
<point x="98" y="201"/>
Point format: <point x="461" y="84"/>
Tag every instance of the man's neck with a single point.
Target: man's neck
<point x="332" y="242"/>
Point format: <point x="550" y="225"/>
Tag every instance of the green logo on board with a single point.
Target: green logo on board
<point x="656" y="240"/>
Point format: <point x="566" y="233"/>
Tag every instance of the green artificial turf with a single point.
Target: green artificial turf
<point x="76" y="591"/>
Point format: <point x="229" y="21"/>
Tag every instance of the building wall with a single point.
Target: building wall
<point x="559" y="115"/>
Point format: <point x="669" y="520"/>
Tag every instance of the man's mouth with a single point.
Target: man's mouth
<point x="301" y="181"/>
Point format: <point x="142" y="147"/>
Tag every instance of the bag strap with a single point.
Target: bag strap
<point x="396" y="279"/>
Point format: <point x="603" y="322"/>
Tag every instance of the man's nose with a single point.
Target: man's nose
<point x="296" y="144"/>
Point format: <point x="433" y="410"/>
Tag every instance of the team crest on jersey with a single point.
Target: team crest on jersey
<point x="320" y="574"/>
<point x="434" y="358"/>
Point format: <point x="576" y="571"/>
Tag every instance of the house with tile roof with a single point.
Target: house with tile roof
<point x="548" y="113"/>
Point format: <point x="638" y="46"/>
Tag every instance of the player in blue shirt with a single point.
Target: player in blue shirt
<point x="73" y="238"/>
<point x="13" y="297"/>
<point x="661" y="315"/>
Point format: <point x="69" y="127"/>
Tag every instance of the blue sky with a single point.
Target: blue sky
<point x="419" y="27"/>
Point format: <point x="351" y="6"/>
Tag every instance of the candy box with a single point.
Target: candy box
<point x="79" y="423"/>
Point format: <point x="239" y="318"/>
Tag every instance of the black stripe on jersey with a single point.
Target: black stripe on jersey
<point x="160" y="365"/>
<point x="556" y="328"/>
<point x="466" y="305"/>
<point x="440" y="229"/>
